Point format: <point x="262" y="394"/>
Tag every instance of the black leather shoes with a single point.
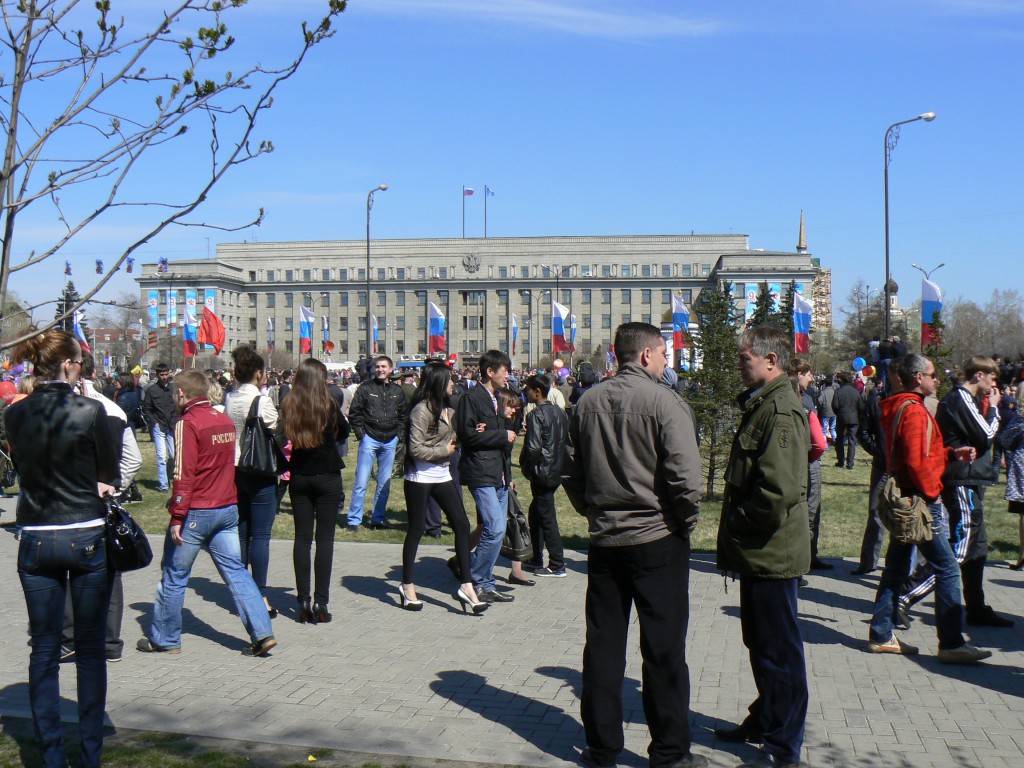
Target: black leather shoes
<point x="988" y="618"/>
<point x="493" y="596"/>
<point x="744" y="732"/>
<point x="763" y="760"/>
<point x="589" y="761"/>
<point x="821" y="565"/>
<point x="861" y="570"/>
<point x="691" y="761"/>
<point x="521" y="582"/>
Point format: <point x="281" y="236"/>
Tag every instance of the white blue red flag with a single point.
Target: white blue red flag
<point x="515" y="331"/>
<point x="270" y="336"/>
<point x="802" y="310"/>
<point x="306" y="318"/>
<point x="931" y="304"/>
<point x="559" y="320"/>
<point x="376" y="332"/>
<point x="680" y="323"/>
<point x="435" y="329"/>
<point x="188" y="332"/>
<point x="79" y="333"/>
<point x="326" y="332"/>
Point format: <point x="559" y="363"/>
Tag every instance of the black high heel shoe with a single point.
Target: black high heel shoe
<point x="306" y="612"/>
<point x="408" y="603"/>
<point x="320" y="614"/>
<point x="467" y="604"/>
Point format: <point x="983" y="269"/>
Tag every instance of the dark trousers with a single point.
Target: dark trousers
<point x="846" y="442"/>
<point x="768" y="613"/>
<point x="871" y="545"/>
<point x="51" y="563"/>
<point x="315" y="500"/>
<point x="115" y="614"/>
<point x="654" y="577"/>
<point x="543" y="521"/>
<point x="433" y="518"/>
<point x="814" y="503"/>
<point x="257" y="507"/>
<point x="449" y="498"/>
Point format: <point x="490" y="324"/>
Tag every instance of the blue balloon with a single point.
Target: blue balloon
<point x="858" y="363"/>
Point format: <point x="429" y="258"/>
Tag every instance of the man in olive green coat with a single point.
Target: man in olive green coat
<point x="763" y="538"/>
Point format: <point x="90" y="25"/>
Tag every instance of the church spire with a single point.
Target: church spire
<point x="801" y="244"/>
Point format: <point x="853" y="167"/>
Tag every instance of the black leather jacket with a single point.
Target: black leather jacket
<point x="545" y="450"/>
<point x="379" y="410"/>
<point x="62" y="446"/>
<point x="486" y="458"/>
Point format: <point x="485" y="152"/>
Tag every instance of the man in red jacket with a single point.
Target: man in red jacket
<point x="204" y="514"/>
<point x="918" y="458"/>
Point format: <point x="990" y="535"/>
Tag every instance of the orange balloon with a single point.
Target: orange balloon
<point x="558" y="363"/>
<point x="7" y="365"/>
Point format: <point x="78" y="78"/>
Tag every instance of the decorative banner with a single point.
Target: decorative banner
<point x="172" y="311"/>
<point x="208" y="303"/>
<point x="802" y="310"/>
<point x="154" y="310"/>
<point x="559" y="318"/>
<point x="931" y="303"/>
<point x="435" y="329"/>
<point x="775" y="289"/>
<point x="752" y="289"/>
<point x="306" y="318"/>
<point x="515" y="331"/>
<point x="680" y="325"/>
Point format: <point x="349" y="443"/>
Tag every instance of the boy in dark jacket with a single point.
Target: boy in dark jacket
<point x="542" y="459"/>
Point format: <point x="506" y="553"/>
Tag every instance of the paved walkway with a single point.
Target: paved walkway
<point x="503" y="688"/>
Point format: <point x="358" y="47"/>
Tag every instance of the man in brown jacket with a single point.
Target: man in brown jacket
<point x="636" y="475"/>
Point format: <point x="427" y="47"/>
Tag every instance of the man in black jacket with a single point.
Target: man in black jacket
<point x="161" y="415"/>
<point x="486" y="467"/>
<point x="871" y="439"/>
<point x="846" y="404"/>
<point x="969" y="418"/>
<point x="378" y="416"/>
<point x="541" y="460"/>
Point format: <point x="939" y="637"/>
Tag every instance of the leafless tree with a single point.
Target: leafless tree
<point x="85" y="102"/>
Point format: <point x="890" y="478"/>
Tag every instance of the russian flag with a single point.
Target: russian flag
<point x="270" y="337"/>
<point x="326" y="332"/>
<point x="680" y="323"/>
<point x="559" y="319"/>
<point x="189" y="333"/>
<point x="376" y="332"/>
<point x="572" y="333"/>
<point x="515" y="331"/>
<point x="802" y="309"/>
<point x="306" y="318"/>
<point x="435" y="328"/>
<point x="79" y="333"/>
<point x="931" y="304"/>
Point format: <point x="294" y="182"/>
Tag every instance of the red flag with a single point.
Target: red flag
<point x="211" y="331"/>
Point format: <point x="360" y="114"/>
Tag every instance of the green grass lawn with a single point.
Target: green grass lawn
<point x="845" y="504"/>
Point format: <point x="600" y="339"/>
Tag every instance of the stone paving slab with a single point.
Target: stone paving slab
<point x="503" y="687"/>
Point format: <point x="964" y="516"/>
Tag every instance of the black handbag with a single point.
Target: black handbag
<point x="259" y="454"/>
<point x="127" y="546"/>
<point x="517" y="544"/>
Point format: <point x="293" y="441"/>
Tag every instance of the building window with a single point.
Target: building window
<point x="666" y="270"/>
<point x="606" y="296"/>
<point x="503" y="346"/>
<point x="421" y="298"/>
<point x="502" y="322"/>
<point x="271" y="275"/>
<point x="361" y="274"/>
<point x="252" y="276"/>
<point x="502" y="298"/>
<point x="524" y="271"/>
<point x="442" y="296"/>
<point x="421" y="323"/>
<point x="342" y="323"/>
<point x="325" y="299"/>
<point x="289" y="300"/>
<point x="252" y="323"/>
<point x="666" y="296"/>
<point x="343" y="299"/>
<point x="382" y="298"/>
<point x="545" y="320"/>
<point x="645" y="296"/>
<point x="288" y="346"/>
<point x="271" y="300"/>
<point x="525" y="296"/>
<point x="645" y="270"/>
<point x="624" y="271"/>
<point x="400" y="273"/>
<point x="400" y="323"/>
<point x="252" y="301"/>
<point x="687" y="271"/>
<point x="361" y="298"/>
<point x="545" y="272"/>
<point x="626" y="317"/>
<point x="421" y="347"/>
<point x="503" y="272"/>
<point x="307" y="275"/>
<point x="362" y="323"/>
<point x="566" y="296"/>
<point x="645" y="319"/>
<point x="382" y="273"/>
<point x="585" y="294"/>
<point x="627" y="297"/>
<point x="289" y="275"/>
<point x="584" y="270"/>
<point x="325" y="274"/>
<point x="343" y="274"/>
<point x="362" y="347"/>
<point x="606" y="270"/>
<point x="705" y="269"/>
<point x="289" y="324"/>
<point x="421" y="273"/>
<point x="400" y="346"/>
<point x="686" y="295"/>
<point x="586" y="320"/>
<point x="343" y="347"/>
<point x="442" y="272"/>
<point x="546" y="346"/>
<point x="399" y="298"/>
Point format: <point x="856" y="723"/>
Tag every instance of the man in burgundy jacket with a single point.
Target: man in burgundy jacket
<point x="204" y="514"/>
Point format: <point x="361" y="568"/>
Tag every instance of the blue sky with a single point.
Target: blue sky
<point x="589" y="117"/>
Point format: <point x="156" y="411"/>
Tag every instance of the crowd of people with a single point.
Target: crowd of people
<point x="624" y="447"/>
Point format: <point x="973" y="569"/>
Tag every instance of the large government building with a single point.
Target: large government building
<point x="484" y="287"/>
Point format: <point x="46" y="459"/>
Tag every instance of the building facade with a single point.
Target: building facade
<point x="488" y="289"/>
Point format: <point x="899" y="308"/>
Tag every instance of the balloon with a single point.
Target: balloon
<point x="557" y="363"/>
<point x="858" y="363"/>
<point x="563" y="372"/>
<point x="8" y="391"/>
<point x="7" y="365"/>
<point x="868" y="371"/>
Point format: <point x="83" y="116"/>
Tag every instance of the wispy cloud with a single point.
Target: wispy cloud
<point x="576" y="18"/>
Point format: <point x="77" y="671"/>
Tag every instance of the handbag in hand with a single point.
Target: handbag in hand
<point x="259" y="454"/>
<point x="127" y="546"/>
<point x="907" y="518"/>
<point x="517" y="544"/>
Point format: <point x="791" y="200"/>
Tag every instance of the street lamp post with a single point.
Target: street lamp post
<point x="927" y="272"/>
<point x="892" y="138"/>
<point x="369" y="207"/>
<point x="559" y="271"/>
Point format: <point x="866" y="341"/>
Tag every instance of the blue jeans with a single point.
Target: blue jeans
<point x="947" y="583"/>
<point x="47" y="561"/>
<point x="828" y="426"/>
<point x="216" y="531"/>
<point x="257" y="508"/>
<point x="492" y="507"/>
<point x="371" y="450"/>
<point x="164" y="443"/>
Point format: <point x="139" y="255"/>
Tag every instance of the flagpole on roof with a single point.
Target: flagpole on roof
<point x="487" y="191"/>
<point x="463" y="214"/>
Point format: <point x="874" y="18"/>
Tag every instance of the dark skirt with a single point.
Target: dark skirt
<point x="1016" y="507"/>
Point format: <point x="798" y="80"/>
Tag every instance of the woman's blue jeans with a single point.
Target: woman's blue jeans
<point x="257" y="507"/>
<point x="48" y="561"/>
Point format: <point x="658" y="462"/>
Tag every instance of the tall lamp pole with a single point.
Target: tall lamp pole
<point x="369" y="207"/>
<point x="892" y="138"/>
<point x="927" y="273"/>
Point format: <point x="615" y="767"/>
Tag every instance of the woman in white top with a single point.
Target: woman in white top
<point x="257" y="496"/>
<point x="429" y="447"/>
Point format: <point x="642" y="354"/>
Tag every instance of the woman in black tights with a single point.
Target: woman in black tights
<point x="429" y="446"/>
<point x="314" y="423"/>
